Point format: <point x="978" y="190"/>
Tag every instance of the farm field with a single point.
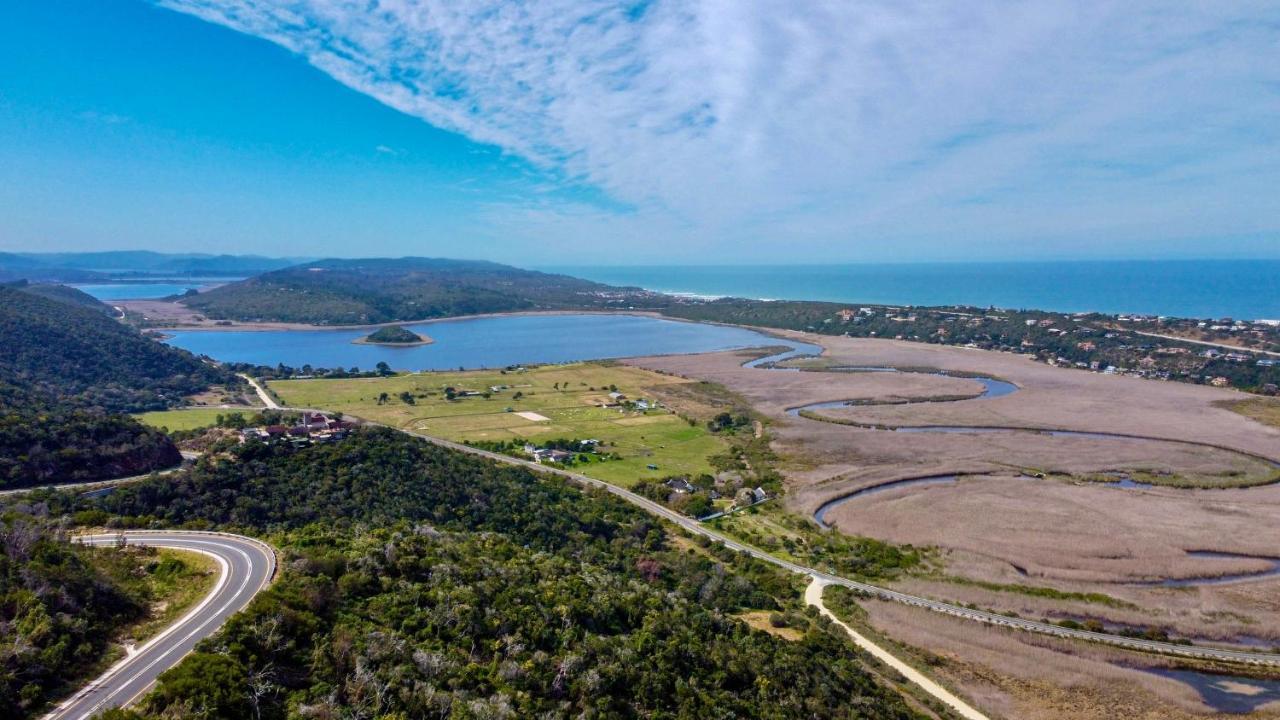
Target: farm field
<point x="536" y="404"/>
<point x="188" y="419"/>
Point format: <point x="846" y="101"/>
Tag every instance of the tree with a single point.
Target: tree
<point x="216" y="683"/>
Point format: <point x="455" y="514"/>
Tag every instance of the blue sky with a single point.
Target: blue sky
<point x="595" y="132"/>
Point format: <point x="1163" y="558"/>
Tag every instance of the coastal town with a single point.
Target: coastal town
<point x="1223" y="352"/>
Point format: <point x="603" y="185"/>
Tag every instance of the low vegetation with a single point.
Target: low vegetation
<point x="1039" y="591"/>
<point x="186" y="418"/>
<point x="1265" y="411"/>
<point x="787" y="535"/>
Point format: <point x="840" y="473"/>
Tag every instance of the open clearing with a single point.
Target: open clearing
<point x="189" y="418"/>
<point x="535" y="405"/>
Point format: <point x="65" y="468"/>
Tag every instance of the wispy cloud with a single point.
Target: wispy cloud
<point x="835" y="123"/>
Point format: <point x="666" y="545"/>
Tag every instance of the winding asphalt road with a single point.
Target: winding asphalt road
<point x="247" y="566"/>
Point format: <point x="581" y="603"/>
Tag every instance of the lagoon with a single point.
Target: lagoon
<point x="139" y="290"/>
<point x="475" y="343"/>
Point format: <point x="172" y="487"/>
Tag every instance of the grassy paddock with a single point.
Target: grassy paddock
<point x="568" y="396"/>
<point x="189" y="419"/>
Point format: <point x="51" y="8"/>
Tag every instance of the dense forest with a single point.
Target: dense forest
<point x="67" y="373"/>
<point x="352" y="292"/>
<point x="421" y="582"/>
<point x="79" y="355"/>
<point x="52" y="442"/>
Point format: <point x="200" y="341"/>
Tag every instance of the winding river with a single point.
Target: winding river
<point x="991" y="388"/>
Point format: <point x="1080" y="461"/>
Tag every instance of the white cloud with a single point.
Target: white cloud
<point x="836" y="122"/>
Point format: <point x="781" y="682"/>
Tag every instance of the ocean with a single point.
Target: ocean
<point x="1240" y="289"/>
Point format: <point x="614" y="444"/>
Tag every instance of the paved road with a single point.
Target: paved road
<point x="813" y="596"/>
<point x="247" y="567"/>
<point x="263" y="395"/>
<point x="1224" y="346"/>
<point x="101" y="484"/>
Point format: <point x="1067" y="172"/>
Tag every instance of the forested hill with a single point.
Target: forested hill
<point x="64" y="293"/>
<point x="78" y="355"/>
<point x="349" y="292"/>
<point x="67" y="371"/>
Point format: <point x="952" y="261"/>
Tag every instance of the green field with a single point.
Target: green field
<point x="189" y="419"/>
<point x="566" y="397"/>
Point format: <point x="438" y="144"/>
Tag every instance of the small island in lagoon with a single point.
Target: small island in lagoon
<point x="395" y="335"/>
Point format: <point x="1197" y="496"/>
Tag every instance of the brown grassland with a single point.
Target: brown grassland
<point x="1058" y="546"/>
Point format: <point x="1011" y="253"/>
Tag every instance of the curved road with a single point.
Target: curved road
<point x="247" y="566"/>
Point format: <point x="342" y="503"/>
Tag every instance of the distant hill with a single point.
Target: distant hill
<point x="65" y="294"/>
<point x="67" y="372"/>
<point x="353" y="292"/>
<point x="142" y="262"/>
<point x="14" y="267"/>
<point x="79" y="355"/>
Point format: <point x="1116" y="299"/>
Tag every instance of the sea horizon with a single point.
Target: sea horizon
<point x="1240" y="289"/>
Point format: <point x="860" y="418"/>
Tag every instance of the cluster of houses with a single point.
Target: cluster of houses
<point x="745" y="497"/>
<point x="617" y="399"/>
<point x="555" y="455"/>
<point x="313" y="427"/>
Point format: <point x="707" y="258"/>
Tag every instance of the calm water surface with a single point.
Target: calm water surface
<point x="139" y="291"/>
<point x="483" y="342"/>
<point x="1225" y="693"/>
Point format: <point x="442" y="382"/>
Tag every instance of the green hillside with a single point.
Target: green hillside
<point x="79" y="355"/>
<point x="351" y="292"/>
<point x="67" y="374"/>
<point x="65" y="294"/>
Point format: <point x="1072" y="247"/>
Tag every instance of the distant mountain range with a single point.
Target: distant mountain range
<point x="352" y="292"/>
<point x="102" y="266"/>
